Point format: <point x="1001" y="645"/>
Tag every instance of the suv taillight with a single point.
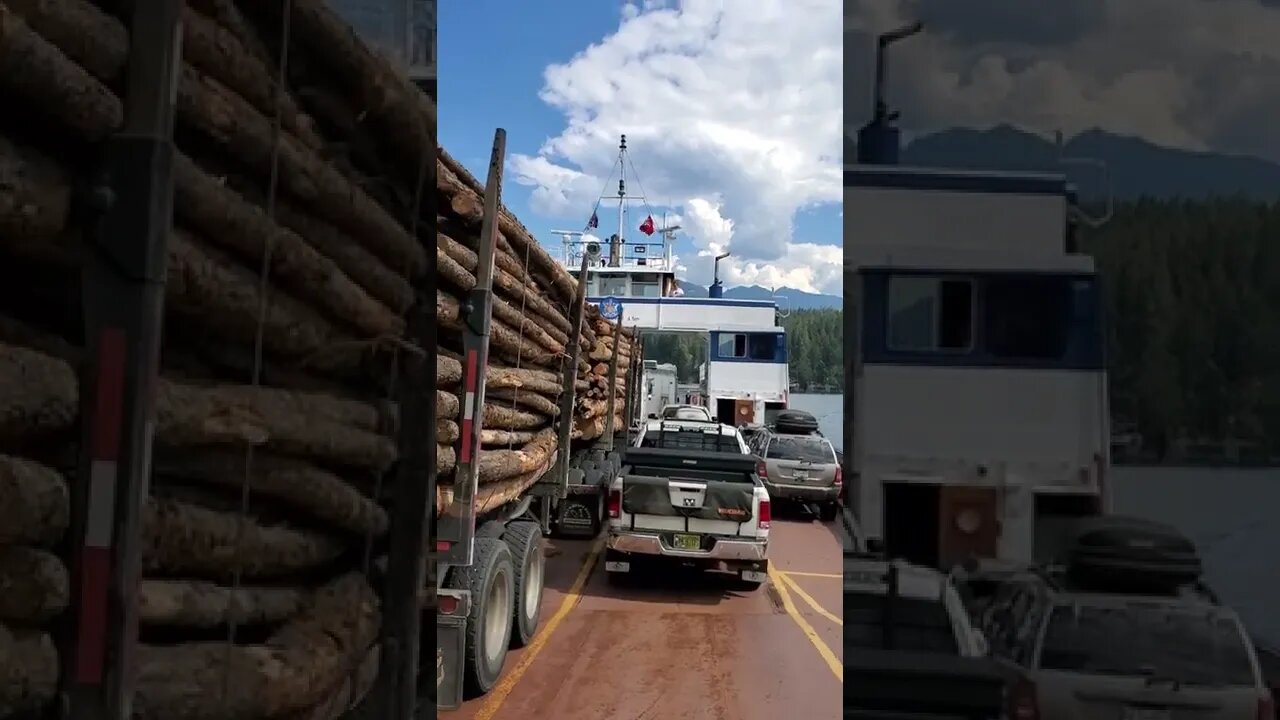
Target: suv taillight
<point x="840" y="481"/>
<point x="766" y="514"/>
<point x="1266" y="706"/>
<point x="615" y="503"/>
<point x="1022" y="701"/>
<point x="762" y="470"/>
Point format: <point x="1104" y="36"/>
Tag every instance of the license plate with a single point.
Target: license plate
<point x="618" y="567"/>
<point x="686" y="542"/>
<point x="801" y="475"/>
<point x="1145" y="713"/>
<point x="754" y="576"/>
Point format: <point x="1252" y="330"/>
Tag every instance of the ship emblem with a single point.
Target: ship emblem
<point x="610" y="308"/>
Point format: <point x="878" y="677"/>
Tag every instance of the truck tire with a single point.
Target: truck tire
<point x="491" y="580"/>
<point x="525" y="541"/>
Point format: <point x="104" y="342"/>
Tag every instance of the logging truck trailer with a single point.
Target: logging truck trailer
<point x="488" y="565"/>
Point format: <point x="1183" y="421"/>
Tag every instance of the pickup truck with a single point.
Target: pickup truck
<point x="700" y="508"/>
<point x="911" y="651"/>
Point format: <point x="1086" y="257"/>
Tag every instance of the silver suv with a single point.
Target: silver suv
<point x="801" y="468"/>
<point x="1104" y="656"/>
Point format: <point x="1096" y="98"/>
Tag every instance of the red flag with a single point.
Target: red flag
<point x="646" y="227"/>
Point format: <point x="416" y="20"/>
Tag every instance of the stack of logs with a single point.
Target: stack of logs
<point x="283" y="570"/>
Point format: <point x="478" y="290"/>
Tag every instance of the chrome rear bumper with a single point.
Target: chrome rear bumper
<point x="641" y="543"/>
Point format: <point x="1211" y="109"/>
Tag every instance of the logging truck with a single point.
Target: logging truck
<point x="489" y="537"/>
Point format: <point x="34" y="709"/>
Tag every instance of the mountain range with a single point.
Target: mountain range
<point x="786" y="297"/>
<point x="1136" y="167"/>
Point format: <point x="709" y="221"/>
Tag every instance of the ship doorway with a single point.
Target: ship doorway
<point x="725" y="408"/>
<point x="1055" y="518"/>
<point x="911" y="522"/>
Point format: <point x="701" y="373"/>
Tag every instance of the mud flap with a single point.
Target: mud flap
<point x="450" y="650"/>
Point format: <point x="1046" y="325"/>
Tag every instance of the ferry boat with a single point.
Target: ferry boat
<point x="979" y="409"/>
<point x="744" y="379"/>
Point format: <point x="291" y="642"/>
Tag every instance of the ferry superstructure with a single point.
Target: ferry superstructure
<point x="744" y="379"/>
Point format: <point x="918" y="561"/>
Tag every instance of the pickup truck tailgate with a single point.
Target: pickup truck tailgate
<point x="713" y="507"/>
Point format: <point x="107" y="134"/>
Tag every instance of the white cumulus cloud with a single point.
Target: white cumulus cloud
<point x="733" y="113"/>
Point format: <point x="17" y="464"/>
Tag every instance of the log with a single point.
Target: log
<point x="246" y="230"/>
<point x="504" y="284"/>
<point x="448" y="370"/>
<point x="466" y="200"/>
<point x="362" y="266"/>
<point x="34" y="585"/>
<point x="503" y="464"/>
<point x="446" y="431"/>
<point x="208" y="291"/>
<point x="37" y="503"/>
<point x="93" y="39"/>
<point x="43" y="78"/>
<point x="218" y="52"/>
<point x="189" y="416"/>
<point x="28" y="672"/>
<point x="505" y="437"/>
<point x="194" y="604"/>
<point x="182" y="539"/>
<point x="511" y="282"/>
<point x="318" y="493"/>
<point x="398" y="112"/>
<point x="228" y="16"/>
<point x="530" y="379"/>
<point x="447" y="405"/>
<point x="40" y="394"/>
<point x="227" y="119"/>
<point x="502" y="336"/>
<point x="505" y="418"/>
<point x="525" y="399"/>
<point x="35" y="195"/>
<point x="288" y="673"/>
<point x="348" y="693"/>
<point x="446" y="459"/>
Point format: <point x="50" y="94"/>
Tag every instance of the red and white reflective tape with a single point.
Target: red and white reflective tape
<point x="471" y="378"/>
<point x="95" y="557"/>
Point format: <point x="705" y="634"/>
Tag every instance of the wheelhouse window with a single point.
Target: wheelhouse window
<point x="732" y="345"/>
<point x="750" y="346"/>
<point x="930" y="314"/>
<point x="1028" y="317"/>
<point x="611" y="285"/>
<point x="644" y="289"/>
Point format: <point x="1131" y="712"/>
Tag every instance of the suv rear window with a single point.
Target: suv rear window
<point x="918" y="625"/>
<point x="800" y="449"/>
<point x="1170" y="643"/>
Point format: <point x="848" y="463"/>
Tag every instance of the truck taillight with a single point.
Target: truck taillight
<point x="1022" y="701"/>
<point x="761" y="470"/>
<point x="615" y="503"/>
<point x="446" y="604"/>
<point x="1266" y="706"/>
<point x="766" y="514"/>
<point x="839" y="477"/>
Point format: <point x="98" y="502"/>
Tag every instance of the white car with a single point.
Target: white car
<point x="686" y="412"/>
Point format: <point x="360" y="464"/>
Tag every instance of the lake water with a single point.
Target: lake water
<point x="1228" y="512"/>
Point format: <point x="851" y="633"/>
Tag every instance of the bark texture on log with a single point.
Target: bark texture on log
<point x="194" y="604"/>
<point x="186" y="540"/>
<point x="37" y="503"/>
<point x="447" y="405"/>
<point x="448" y="371"/>
<point x="506" y="418"/>
<point x="40" y="395"/>
<point x="446" y="459"/>
<point x="28" y="672"/>
<point x="318" y="493"/>
<point x="291" y="671"/>
<point x="503" y="464"/>
<point x="524" y="399"/>
<point x="93" y="39"/>
<point x="505" y="437"/>
<point x="37" y="71"/>
<point x="35" y="195"/>
<point x="530" y="379"/>
<point x="446" y="432"/>
<point x="34" y="586"/>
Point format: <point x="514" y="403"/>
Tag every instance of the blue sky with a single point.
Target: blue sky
<point x="730" y="129"/>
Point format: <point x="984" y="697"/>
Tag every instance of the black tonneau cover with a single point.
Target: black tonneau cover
<point x="729" y="479"/>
